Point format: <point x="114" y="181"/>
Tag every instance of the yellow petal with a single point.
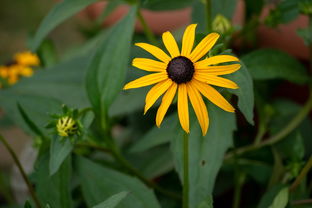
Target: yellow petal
<point x="218" y="70"/>
<point x="149" y="65"/>
<point x="198" y="106"/>
<point x="171" y="44"/>
<point x="213" y="95"/>
<point x="155" y="51"/>
<point x="166" y="101"/>
<point x="155" y="92"/>
<point x="183" y="107"/>
<point x="204" y="46"/>
<point x="146" y="80"/>
<point x="215" y="80"/>
<point x="215" y="60"/>
<point x="188" y="40"/>
<point x="26" y="71"/>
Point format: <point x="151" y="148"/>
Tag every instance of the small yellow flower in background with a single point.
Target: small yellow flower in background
<point x="66" y="126"/>
<point x="27" y="58"/>
<point x="21" y="66"/>
<point x="185" y="74"/>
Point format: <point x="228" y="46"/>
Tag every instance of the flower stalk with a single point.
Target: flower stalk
<point x="185" y="170"/>
<point x="148" y="32"/>
<point x="21" y="169"/>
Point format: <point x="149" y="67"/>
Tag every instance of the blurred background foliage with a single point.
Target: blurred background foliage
<point x="259" y="158"/>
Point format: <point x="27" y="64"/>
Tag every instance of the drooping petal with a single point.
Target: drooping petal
<point x="171" y="44"/>
<point x="219" y="70"/>
<point x="155" y="92"/>
<point x="183" y="111"/>
<point x="188" y="40"/>
<point x="215" y="80"/>
<point x="204" y="46"/>
<point x="155" y="51"/>
<point x="146" y="80"/>
<point x="149" y="65"/>
<point x="213" y="95"/>
<point x="198" y="106"/>
<point x="215" y="60"/>
<point x="166" y="101"/>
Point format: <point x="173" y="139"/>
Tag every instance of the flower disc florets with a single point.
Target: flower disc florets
<point x="180" y="69"/>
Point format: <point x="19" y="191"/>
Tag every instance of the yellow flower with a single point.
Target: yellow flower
<point x="27" y="58"/>
<point x="4" y="72"/>
<point x="66" y="126"/>
<point x="183" y="72"/>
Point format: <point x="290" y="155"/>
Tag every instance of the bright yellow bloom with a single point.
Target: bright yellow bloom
<point x="27" y="58"/>
<point x="183" y="72"/>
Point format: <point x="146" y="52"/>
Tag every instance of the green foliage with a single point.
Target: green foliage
<point x="266" y="64"/>
<point x="55" y="190"/>
<point x="206" y="153"/>
<point x="107" y="70"/>
<point x="112" y="201"/>
<point x="97" y="188"/>
<point x="117" y="159"/>
<point x="58" y="14"/>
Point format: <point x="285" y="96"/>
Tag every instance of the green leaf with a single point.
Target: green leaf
<point x="98" y="183"/>
<point x="36" y="107"/>
<point x="207" y="203"/>
<point x="205" y="153"/>
<point x="29" y="122"/>
<point x="109" y="8"/>
<point x="281" y="199"/>
<point x="264" y="64"/>
<point x="245" y="92"/>
<point x="107" y="70"/>
<point x="268" y="197"/>
<point x="159" y="5"/>
<point x="27" y="205"/>
<point x="157" y="136"/>
<point x="58" y="14"/>
<point x="53" y="190"/>
<point x="112" y="201"/>
<point x="59" y="151"/>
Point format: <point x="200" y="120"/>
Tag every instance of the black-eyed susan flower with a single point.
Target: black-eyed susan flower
<point x="27" y="58"/>
<point x="20" y="66"/>
<point x="184" y="73"/>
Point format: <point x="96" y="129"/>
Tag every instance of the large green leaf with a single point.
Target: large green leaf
<point x="205" y="153"/>
<point x="264" y="64"/>
<point x="58" y="14"/>
<point x="281" y="199"/>
<point x="157" y="136"/>
<point x="112" y="201"/>
<point x="59" y="150"/>
<point x="107" y="70"/>
<point x="37" y="108"/>
<point x="98" y="183"/>
<point x="53" y="190"/>
<point x="158" y="5"/>
<point x="245" y="92"/>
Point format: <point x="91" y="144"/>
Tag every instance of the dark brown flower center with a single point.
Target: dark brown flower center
<point x="180" y="69"/>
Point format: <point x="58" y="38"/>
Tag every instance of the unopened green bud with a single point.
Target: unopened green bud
<point x="305" y="7"/>
<point x="221" y="24"/>
<point x="67" y="126"/>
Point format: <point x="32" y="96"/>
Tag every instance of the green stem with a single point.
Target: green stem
<point x="238" y="190"/>
<point x="302" y="175"/>
<point x="20" y="168"/>
<point x="208" y="15"/>
<point x="185" y="170"/>
<point x="294" y="123"/>
<point x="148" y="32"/>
